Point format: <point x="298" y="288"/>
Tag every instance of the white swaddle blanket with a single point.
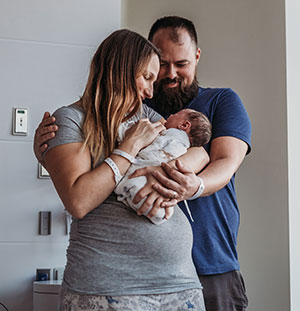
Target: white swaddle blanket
<point x="169" y="145"/>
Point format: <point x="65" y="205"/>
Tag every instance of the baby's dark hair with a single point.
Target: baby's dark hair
<point x="201" y="129"/>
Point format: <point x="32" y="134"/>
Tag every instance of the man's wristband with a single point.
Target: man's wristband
<point x="199" y="191"/>
<point x="125" y="155"/>
<point x="115" y="169"/>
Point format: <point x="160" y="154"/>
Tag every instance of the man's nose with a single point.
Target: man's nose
<point x="171" y="72"/>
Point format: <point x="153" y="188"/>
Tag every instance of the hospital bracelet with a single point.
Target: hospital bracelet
<point x="125" y="155"/>
<point x="199" y="191"/>
<point x="115" y="169"/>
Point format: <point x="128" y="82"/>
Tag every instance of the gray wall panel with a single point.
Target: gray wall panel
<point x="39" y="77"/>
<point x="83" y="22"/>
<point x="23" y="195"/>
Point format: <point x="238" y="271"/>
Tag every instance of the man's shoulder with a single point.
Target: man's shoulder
<point x="214" y="96"/>
<point x="215" y="91"/>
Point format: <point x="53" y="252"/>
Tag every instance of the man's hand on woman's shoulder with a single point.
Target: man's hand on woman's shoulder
<point x="45" y="131"/>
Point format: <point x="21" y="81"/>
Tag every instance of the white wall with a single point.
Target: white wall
<point x="243" y="47"/>
<point x="46" y="48"/>
<point x="293" y="69"/>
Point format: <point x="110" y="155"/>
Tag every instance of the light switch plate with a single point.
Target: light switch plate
<point x="20" y="121"/>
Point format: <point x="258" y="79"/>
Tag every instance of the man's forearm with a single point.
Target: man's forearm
<point x="227" y="154"/>
<point x="195" y="159"/>
<point x="217" y="175"/>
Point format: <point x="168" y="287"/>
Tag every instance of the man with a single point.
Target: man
<point x="215" y="213"/>
<point x="214" y="206"/>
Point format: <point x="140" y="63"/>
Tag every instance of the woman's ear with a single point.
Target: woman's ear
<point x="185" y="125"/>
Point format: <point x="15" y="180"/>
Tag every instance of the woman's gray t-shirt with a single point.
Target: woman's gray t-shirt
<point x="112" y="250"/>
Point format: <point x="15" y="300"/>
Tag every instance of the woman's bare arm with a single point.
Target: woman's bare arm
<point x="82" y="189"/>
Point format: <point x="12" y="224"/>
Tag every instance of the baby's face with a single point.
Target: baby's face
<point x="176" y="119"/>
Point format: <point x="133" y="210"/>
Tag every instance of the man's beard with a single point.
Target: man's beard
<point x="168" y="101"/>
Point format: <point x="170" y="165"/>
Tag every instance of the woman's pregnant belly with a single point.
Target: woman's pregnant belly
<point x="113" y="251"/>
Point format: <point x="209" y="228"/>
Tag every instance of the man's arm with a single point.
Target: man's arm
<point x="226" y="155"/>
<point x="193" y="161"/>
<point x="231" y="139"/>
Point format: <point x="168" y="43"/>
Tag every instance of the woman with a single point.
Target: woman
<point x="117" y="260"/>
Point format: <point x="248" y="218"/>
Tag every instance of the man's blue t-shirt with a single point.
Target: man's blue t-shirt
<point x="216" y="217"/>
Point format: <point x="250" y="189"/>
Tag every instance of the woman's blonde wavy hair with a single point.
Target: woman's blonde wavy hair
<point x="111" y="89"/>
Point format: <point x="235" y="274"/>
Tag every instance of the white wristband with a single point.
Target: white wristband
<point x="199" y="191"/>
<point x="115" y="169"/>
<point x="125" y="155"/>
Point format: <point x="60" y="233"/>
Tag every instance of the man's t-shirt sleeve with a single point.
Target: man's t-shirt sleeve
<point x="231" y="118"/>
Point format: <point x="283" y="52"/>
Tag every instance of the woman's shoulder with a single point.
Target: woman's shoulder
<point x="69" y="120"/>
<point x="72" y="112"/>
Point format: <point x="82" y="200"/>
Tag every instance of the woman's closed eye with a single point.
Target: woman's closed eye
<point x="147" y="76"/>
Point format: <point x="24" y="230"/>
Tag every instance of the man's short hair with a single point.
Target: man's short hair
<point x="174" y="22"/>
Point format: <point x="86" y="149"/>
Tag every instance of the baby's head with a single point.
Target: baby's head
<point x="194" y="123"/>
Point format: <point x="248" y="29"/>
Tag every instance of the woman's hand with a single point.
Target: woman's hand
<point x="140" y="135"/>
<point x="45" y="131"/>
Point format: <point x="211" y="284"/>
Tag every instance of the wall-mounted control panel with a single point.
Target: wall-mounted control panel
<point x="20" y="122"/>
<point x="45" y="223"/>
